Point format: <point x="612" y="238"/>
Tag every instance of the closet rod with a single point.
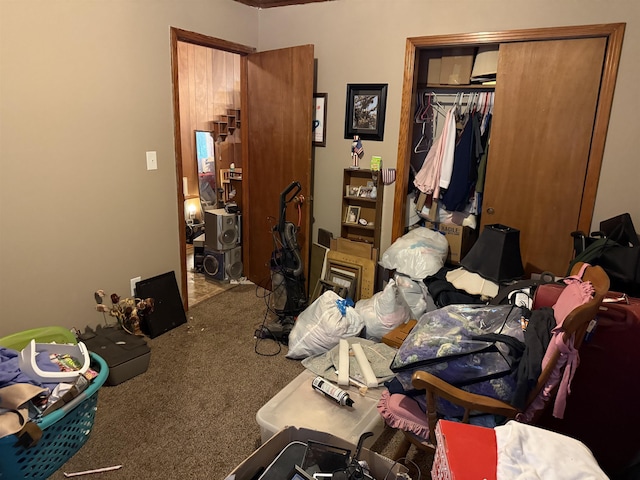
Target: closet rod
<point x="453" y="94"/>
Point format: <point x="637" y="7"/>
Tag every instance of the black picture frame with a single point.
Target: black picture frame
<point x="320" y="119"/>
<point x="365" y="111"/>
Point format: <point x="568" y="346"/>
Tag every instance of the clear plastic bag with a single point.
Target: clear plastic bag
<point x="456" y="344"/>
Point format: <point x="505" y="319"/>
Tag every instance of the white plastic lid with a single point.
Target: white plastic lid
<point x="28" y="365"/>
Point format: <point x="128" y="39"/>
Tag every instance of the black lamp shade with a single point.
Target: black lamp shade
<point x="496" y="254"/>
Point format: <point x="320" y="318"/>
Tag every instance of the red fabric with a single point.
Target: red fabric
<point x="465" y="452"/>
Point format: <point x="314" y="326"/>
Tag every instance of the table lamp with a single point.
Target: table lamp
<point x="496" y="254"/>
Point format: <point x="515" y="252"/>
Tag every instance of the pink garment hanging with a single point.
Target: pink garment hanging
<point x="436" y="169"/>
<point x="575" y="293"/>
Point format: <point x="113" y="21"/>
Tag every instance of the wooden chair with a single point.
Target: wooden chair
<point x="576" y="323"/>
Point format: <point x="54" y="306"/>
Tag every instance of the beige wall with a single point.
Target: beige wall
<point x="363" y="41"/>
<point x="85" y="90"/>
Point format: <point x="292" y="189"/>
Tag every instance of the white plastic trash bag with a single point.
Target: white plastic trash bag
<point x="322" y="324"/>
<point x="383" y="312"/>
<point x="419" y="253"/>
<point x="413" y="292"/>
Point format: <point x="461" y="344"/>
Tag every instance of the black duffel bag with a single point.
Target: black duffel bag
<point x="621" y="262"/>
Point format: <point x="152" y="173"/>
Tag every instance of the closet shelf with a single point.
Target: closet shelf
<point x="470" y="86"/>
<point x="361" y="199"/>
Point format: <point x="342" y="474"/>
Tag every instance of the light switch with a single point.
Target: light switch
<point x="152" y="161"/>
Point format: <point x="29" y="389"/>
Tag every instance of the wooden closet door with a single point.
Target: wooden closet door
<point x="545" y="105"/>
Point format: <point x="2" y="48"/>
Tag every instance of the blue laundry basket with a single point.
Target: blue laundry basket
<point x="64" y="431"/>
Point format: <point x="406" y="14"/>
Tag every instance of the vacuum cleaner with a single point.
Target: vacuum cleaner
<point x="287" y="270"/>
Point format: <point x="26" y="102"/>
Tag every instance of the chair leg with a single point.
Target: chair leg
<point x="403" y="448"/>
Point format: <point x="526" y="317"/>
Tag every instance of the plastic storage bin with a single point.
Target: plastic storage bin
<point x="64" y="431"/>
<point x="299" y="405"/>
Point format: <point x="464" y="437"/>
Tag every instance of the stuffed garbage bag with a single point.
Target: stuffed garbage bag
<point x="322" y="324"/>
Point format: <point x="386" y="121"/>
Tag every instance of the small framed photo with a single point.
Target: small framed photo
<point x="344" y="279"/>
<point x="351" y="191"/>
<point x="365" y="111"/>
<point x="353" y="215"/>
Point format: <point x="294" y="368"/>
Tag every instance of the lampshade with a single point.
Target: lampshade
<point x="496" y="254"/>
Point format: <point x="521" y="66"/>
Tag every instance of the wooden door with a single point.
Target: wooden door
<point x="277" y="119"/>
<point x="546" y="100"/>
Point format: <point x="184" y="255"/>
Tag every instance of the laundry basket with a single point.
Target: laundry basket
<point x="64" y="431"/>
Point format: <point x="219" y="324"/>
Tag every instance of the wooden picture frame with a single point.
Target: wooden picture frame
<point x="352" y="215"/>
<point x="345" y="272"/>
<point x="320" y="119"/>
<point x="324" y="286"/>
<point x="365" y="268"/>
<point x="365" y="111"/>
<point x="346" y="279"/>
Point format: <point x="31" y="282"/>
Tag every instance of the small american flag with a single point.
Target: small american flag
<point x="357" y="148"/>
<point x="388" y="176"/>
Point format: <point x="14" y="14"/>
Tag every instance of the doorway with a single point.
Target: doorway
<point x="206" y="86"/>
<point x="276" y="147"/>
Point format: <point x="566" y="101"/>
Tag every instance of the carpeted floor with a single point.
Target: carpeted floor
<point x="192" y="415"/>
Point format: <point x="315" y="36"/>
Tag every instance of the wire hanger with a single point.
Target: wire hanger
<point x="424" y="144"/>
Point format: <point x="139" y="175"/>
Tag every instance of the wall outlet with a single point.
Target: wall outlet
<point x="133" y="285"/>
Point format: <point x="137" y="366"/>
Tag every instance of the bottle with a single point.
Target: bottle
<point x="329" y="390"/>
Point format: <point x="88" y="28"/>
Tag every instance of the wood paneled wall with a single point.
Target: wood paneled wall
<point x="208" y="85"/>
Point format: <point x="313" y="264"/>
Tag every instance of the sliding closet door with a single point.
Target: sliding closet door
<point x="545" y="106"/>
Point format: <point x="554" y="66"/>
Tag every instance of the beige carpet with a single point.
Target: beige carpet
<point x="192" y="415"/>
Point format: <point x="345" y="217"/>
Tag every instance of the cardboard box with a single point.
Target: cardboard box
<point x="381" y="467"/>
<point x="456" y="65"/>
<point x="396" y="336"/>
<point x="460" y="239"/>
<point x="429" y="66"/>
<point x="433" y="74"/>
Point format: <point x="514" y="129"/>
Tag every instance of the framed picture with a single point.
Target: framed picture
<point x="351" y="190"/>
<point x="347" y="275"/>
<point x="365" y="110"/>
<point x="325" y="285"/>
<point x="320" y="120"/>
<point x="344" y="278"/>
<point x="353" y="215"/>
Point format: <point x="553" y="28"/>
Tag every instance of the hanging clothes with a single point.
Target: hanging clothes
<point x="438" y="165"/>
<point x="482" y="164"/>
<point x="456" y="197"/>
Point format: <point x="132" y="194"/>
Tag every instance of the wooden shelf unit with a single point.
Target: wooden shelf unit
<point x="370" y="208"/>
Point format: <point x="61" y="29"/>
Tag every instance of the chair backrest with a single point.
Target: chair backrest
<point x="575" y="325"/>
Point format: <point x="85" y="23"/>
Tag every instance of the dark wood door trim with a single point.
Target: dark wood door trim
<point x="614" y="34"/>
<point x="177" y="35"/>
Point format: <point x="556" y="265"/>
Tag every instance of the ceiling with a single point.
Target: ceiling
<point x="276" y="3"/>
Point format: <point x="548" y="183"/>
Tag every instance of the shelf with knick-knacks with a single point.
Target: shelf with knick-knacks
<point x="362" y="206"/>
